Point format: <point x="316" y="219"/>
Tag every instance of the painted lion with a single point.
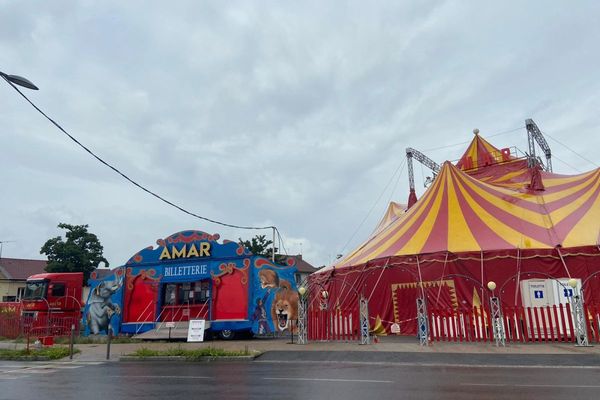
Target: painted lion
<point x="285" y="308"/>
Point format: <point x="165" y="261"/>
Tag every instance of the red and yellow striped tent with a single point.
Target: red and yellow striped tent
<point x="490" y="217"/>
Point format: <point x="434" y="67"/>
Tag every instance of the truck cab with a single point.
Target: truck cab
<point x="58" y="293"/>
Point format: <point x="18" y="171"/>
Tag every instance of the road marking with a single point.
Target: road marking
<point x="428" y="365"/>
<point x="160" y="376"/>
<point x="325" y="380"/>
<point x="531" y="385"/>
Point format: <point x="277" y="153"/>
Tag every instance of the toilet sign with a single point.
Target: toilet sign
<point x="196" y="330"/>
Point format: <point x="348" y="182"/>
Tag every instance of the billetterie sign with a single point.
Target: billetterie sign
<point x="185" y="270"/>
<point x="190" y="250"/>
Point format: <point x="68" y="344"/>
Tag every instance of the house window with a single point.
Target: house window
<point x="20" y="293"/>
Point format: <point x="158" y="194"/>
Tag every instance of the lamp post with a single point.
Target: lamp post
<point x="18" y="80"/>
<point x="579" y="315"/>
<point x="496" y="312"/>
<point x="302" y="308"/>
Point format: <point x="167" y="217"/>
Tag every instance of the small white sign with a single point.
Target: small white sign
<point x="170" y="324"/>
<point x="395" y="328"/>
<point x="196" y="330"/>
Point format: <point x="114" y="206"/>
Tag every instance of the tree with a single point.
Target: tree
<point x="259" y="245"/>
<point x="81" y="252"/>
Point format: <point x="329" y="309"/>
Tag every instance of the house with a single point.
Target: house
<point x="13" y="274"/>
<point x="304" y="269"/>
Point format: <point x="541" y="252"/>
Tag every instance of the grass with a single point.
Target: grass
<point x="96" y="340"/>
<point x="79" y="340"/>
<point x="49" y="353"/>
<point x="191" y="354"/>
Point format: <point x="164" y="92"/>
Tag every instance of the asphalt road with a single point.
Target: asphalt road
<point x="274" y="377"/>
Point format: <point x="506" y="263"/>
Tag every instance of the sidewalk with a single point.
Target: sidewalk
<point x="97" y="352"/>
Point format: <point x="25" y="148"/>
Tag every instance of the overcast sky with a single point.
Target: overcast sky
<point x="288" y="113"/>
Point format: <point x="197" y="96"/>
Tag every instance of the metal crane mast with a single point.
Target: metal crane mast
<point x="423" y="159"/>
<point x="535" y="135"/>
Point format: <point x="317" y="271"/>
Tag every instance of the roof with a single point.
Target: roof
<point x="21" y="269"/>
<point x="301" y="265"/>
<point x="494" y="208"/>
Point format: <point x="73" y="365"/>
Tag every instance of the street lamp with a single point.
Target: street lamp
<point x="302" y="316"/>
<point x="18" y="80"/>
<point x="496" y="311"/>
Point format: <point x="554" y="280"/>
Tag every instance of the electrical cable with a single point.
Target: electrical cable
<point x="487" y="136"/>
<point x="573" y="151"/>
<point x="128" y="178"/>
<point x="566" y="163"/>
<point x="281" y="244"/>
<point x="400" y="168"/>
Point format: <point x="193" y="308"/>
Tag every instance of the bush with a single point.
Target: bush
<point x="48" y="353"/>
<point x="189" y="354"/>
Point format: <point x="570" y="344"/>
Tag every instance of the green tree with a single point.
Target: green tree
<point x="259" y="245"/>
<point x="80" y="252"/>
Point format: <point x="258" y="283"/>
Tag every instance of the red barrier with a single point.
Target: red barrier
<point x="335" y="325"/>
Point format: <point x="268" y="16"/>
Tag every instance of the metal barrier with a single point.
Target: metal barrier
<point x="519" y="324"/>
<point x="333" y="325"/>
<point x="14" y="326"/>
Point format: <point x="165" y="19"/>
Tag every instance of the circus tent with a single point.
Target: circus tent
<point x="489" y="217"/>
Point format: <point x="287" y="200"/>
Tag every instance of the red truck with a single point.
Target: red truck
<point x="52" y="303"/>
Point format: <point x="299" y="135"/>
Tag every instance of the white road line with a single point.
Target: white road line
<point x="531" y="385"/>
<point x="33" y="371"/>
<point x="160" y="376"/>
<point x="428" y="364"/>
<point x="325" y="380"/>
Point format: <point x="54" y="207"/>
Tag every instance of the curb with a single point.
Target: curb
<point x="31" y="358"/>
<point x="185" y="359"/>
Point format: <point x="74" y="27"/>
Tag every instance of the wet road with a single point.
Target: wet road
<point x="301" y="379"/>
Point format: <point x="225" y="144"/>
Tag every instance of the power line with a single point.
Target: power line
<point x="281" y="242"/>
<point x="566" y="163"/>
<point x="487" y="136"/>
<point x="126" y="177"/>
<point x="571" y="150"/>
<point x="400" y="167"/>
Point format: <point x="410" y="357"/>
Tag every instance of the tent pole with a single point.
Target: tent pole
<point x="379" y="279"/>
<point x="437" y="299"/>
<point x="518" y="288"/>
<point x="420" y="278"/>
<point x="273" y="255"/>
<point x="482" y="281"/>
<point x="563" y="261"/>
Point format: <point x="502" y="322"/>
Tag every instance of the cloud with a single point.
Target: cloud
<point x="295" y="114"/>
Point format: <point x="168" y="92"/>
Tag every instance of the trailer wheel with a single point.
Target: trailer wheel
<point x="226" y="334"/>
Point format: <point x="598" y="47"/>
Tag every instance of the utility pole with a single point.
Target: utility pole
<point x="2" y="245"/>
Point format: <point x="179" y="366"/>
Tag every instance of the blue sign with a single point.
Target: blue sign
<point x="185" y="273"/>
<point x="568" y="292"/>
<point x="539" y="294"/>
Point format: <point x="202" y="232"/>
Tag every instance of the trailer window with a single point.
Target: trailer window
<point x="187" y="293"/>
<point x="170" y="291"/>
<point x="58" y="289"/>
<point x="35" y="290"/>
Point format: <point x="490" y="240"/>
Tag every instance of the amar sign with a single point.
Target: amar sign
<point x="190" y="250"/>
